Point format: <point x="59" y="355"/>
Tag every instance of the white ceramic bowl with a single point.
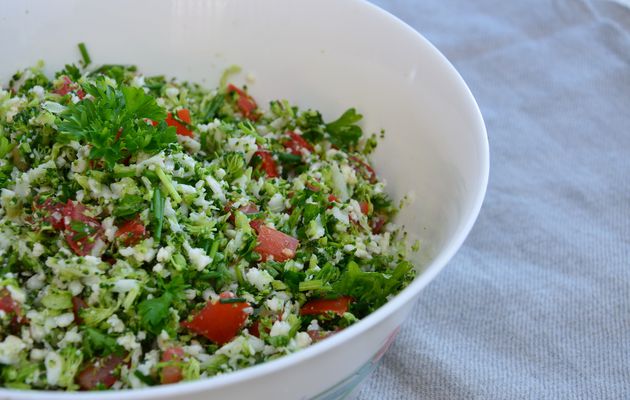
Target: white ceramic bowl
<point x="325" y="54"/>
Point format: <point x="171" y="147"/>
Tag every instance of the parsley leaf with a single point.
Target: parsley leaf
<point x="154" y="313"/>
<point x="96" y="343"/>
<point x="115" y="124"/>
<point x="344" y="132"/>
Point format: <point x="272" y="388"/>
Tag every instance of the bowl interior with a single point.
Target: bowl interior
<point x="327" y="55"/>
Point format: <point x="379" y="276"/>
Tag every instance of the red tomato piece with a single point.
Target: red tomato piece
<point x="181" y="129"/>
<point x="332" y="198"/>
<point x="363" y="168"/>
<point x="245" y="102"/>
<point x="268" y="163"/>
<point x="172" y="373"/>
<point x="321" y="306"/>
<point x="378" y="222"/>
<point x="276" y="244"/>
<point x="65" y="88"/>
<point x="256" y="224"/>
<point x="100" y="373"/>
<point x="51" y="212"/>
<point x="78" y="304"/>
<point x="247" y="209"/>
<point x="297" y="143"/>
<point x="81" y="231"/>
<point x="317" y="336"/>
<point x="219" y="322"/>
<point x="131" y="232"/>
<point x="7" y="304"/>
<point x="365" y="207"/>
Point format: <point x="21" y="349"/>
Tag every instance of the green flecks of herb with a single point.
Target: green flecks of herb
<point x="213" y="107"/>
<point x="154" y="313"/>
<point x="129" y="206"/>
<point x="146" y="379"/>
<point x="292" y="279"/>
<point x="114" y="123"/>
<point x="229" y="71"/>
<point x="315" y="284"/>
<point x="168" y="185"/>
<point x="344" y="133"/>
<point x="232" y="300"/>
<point x="234" y="166"/>
<point x="5" y="146"/>
<point x="97" y="343"/>
<point x="84" y="55"/>
<point x="157" y="213"/>
<point x="71" y="71"/>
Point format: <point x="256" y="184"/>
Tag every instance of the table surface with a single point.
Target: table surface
<point x="536" y="304"/>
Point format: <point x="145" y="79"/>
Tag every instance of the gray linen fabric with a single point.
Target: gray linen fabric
<point x="536" y="305"/>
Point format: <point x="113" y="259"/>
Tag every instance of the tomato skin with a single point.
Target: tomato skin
<point x="247" y="209"/>
<point x="180" y="128"/>
<point x="365" y="207"/>
<point x="52" y="212"/>
<point x="363" y="168"/>
<point x="245" y="102"/>
<point x="65" y="88"/>
<point x="320" y="306"/>
<point x="268" y="163"/>
<point x="172" y="373"/>
<point x="83" y="242"/>
<point x="131" y="232"/>
<point x="297" y="143"/>
<point x="219" y="322"/>
<point x="92" y="375"/>
<point x="276" y="244"/>
<point x="78" y="304"/>
<point x="378" y="222"/>
<point x="317" y="336"/>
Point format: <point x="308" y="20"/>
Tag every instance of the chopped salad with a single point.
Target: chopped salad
<point x="154" y="231"/>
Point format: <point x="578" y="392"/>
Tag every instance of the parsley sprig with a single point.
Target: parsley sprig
<point x="115" y="122"/>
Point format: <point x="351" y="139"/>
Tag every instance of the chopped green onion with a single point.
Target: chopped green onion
<point x="84" y="53"/>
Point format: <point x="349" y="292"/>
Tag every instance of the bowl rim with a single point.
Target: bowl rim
<point x="406" y="295"/>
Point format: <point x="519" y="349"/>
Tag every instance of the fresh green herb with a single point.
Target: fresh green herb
<point x="344" y="132"/>
<point x="114" y="123"/>
<point x="157" y="211"/>
<point x="129" y="206"/>
<point x="97" y="343"/>
<point x="85" y="55"/>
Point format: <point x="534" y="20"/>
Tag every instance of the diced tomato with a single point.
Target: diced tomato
<point x="181" y="129"/>
<point x="7" y="304"/>
<point x="365" y="207"/>
<point x="172" y="373"/>
<point x="363" y="168"/>
<point x="82" y="231"/>
<point x="268" y="163"/>
<point x="297" y="143"/>
<point x="256" y="224"/>
<point x="312" y="188"/>
<point x="100" y="373"/>
<point x="131" y="232"/>
<point x="276" y="244"/>
<point x="219" y="322"/>
<point x="254" y="329"/>
<point x="247" y="209"/>
<point x="65" y="88"/>
<point x="378" y="222"/>
<point x="51" y="212"/>
<point x="317" y="336"/>
<point x="245" y="102"/>
<point x="320" y="306"/>
<point x="332" y="198"/>
<point x="78" y="304"/>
